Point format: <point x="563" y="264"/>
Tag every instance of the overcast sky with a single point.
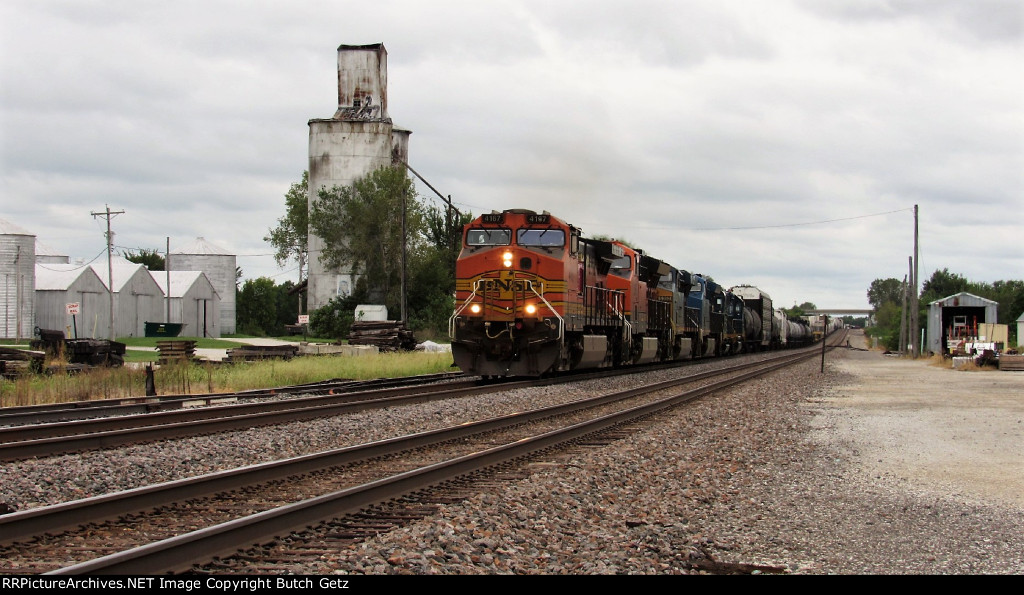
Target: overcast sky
<point x="776" y="143"/>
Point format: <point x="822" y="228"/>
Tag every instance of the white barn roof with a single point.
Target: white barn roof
<point x="181" y="281"/>
<point x="122" y="268"/>
<point x="59" y="277"/>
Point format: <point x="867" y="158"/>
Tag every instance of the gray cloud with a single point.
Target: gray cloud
<point x="661" y="122"/>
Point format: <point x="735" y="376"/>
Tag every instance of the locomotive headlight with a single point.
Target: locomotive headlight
<point x="507" y="259"/>
<point x="531" y="309"/>
<point x="475" y="308"/>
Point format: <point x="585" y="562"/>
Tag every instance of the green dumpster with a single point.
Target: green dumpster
<point x="163" y="329"/>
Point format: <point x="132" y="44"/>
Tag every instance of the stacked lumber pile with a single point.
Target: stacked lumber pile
<point x="94" y="352"/>
<point x="15" y="362"/>
<point x="175" y="351"/>
<point x="258" y="352"/>
<point x="1014" y="363"/>
<point x="386" y="335"/>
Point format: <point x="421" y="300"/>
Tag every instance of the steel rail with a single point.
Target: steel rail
<point x="181" y="552"/>
<point x="57" y="412"/>
<point x="49" y="519"/>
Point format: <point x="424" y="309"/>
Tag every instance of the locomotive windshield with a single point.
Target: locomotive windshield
<point x="488" y="237"/>
<point x="540" y="237"/>
<point x="621" y="266"/>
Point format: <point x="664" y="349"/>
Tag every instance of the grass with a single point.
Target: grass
<point x="199" y="377"/>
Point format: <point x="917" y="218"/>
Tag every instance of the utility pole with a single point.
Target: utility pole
<point x="404" y="249"/>
<point x="110" y="263"/>
<point x="915" y="323"/>
<point x="903" y="320"/>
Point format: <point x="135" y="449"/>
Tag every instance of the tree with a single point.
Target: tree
<point x="942" y="284"/>
<point x="150" y="258"/>
<point x="361" y="228"/>
<point x="291" y="236"/>
<point x="801" y="310"/>
<point x="884" y="291"/>
<point x="444" y="234"/>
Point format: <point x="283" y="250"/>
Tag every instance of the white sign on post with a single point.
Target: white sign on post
<point x="303" y="318"/>
<point x="73" y="308"/>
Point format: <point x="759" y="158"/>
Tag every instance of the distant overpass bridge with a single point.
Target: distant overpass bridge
<point x="838" y="312"/>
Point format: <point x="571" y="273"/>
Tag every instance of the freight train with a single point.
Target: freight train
<point x="534" y="296"/>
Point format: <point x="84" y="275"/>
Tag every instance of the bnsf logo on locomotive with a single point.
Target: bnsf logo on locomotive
<point x="506" y="284"/>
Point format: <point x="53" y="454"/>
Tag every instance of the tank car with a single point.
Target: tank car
<point x="758" y="318"/>
<point x="798" y="332"/>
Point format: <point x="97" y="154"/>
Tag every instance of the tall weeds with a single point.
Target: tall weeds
<point x="204" y="377"/>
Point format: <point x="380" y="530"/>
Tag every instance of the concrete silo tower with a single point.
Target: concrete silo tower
<point x="17" y="281"/>
<point x="357" y="140"/>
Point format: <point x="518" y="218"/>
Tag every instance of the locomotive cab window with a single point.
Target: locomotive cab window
<point x="550" y="238"/>
<point x="621" y="266"/>
<point x="488" y="237"/>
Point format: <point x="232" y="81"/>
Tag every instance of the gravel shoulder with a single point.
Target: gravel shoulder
<point x="934" y="430"/>
<point x="877" y="466"/>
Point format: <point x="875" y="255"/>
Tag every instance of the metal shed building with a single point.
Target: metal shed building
<point x="137" y="298"/>
<point x="193" y="302"/>
<point x="58" y="285"/>
<point x="957" y="312"/>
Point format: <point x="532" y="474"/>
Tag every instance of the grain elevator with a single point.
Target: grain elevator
<point x="357" y="140"/>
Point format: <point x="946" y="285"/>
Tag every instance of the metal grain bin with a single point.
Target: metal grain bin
<point x="17" y="281"/>
<point x="219" y="267"/>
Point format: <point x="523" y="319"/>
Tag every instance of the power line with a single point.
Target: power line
<point x="804" y="223"/>
<point x="772" y="226"/>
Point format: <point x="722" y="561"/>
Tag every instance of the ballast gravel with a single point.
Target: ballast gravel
<point x="768" y="477"/>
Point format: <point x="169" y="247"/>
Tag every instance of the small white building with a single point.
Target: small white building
<point x="57" y="286"/>
<point x="1020" y="330"/>
<point x="193" y="302"/>
<point x="137" y="297"/>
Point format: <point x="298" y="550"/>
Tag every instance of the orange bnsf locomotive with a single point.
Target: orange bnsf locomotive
<point x="533" y="296"/>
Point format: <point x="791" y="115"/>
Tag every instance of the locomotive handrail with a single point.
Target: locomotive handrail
<point x="561" y="321"/>
<point x="451" y="320"/>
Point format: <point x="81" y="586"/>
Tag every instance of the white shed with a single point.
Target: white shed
<point x="194" y="302"/>
<point x="58" y="285"/>
<point x="137" y="297"/>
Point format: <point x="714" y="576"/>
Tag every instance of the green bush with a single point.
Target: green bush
<point x="334" y="319"/>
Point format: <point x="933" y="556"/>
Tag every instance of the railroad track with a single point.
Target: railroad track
<point x="310" y="401"/>
<point x="61" y="412"/>
<point x="328" y="485"/>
